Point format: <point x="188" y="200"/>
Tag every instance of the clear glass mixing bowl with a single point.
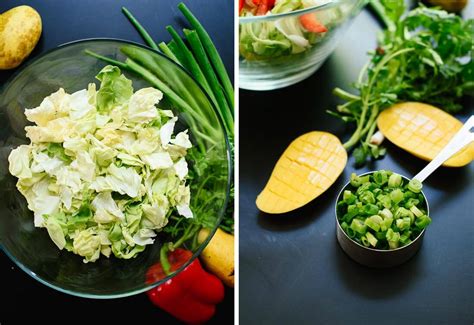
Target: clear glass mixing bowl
<point x="31" y="248"/>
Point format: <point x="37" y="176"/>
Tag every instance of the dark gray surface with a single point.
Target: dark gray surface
<point x="66" y="21"/>
<point x="292" y="270"/>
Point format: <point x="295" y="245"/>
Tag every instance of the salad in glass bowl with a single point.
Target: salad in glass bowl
<point x="104" y="169"/>
<point x="284" y="41"/>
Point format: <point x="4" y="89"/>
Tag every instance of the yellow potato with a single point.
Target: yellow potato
<point x="307" y="168"/>
<point x="423" y="130"/>
<point x="20" y="30"/>
<point x="218" y="256"/>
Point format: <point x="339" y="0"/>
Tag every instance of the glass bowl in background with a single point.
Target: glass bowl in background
<point x="31" y="248"/>
<point x="274" y="53"/>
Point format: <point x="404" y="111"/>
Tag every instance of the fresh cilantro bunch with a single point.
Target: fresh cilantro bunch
<point x="426" y="56"/>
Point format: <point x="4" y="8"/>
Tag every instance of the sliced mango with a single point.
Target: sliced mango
<point x="307" y="168"/>
<point x="423" y="130"/>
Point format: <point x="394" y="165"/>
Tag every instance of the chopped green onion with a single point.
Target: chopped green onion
<point x="364" y="241"/>
<point x="415" y="186"/>
<point x="411" y="202"/>
<point x="374" y="222"/>
<point x="371" y="209"/>
<point x="351" y="233"/>
<point x="393" y="238"/>
<point x="380" y="177"/>
<point x="396" y="195"/>
<point x="381" y="210"/>
<point x="386" y="214"/>
<point x="358" y="226"/>
<point x="344" y="226"/>
<point x="384" y="200"/>
<point x="417" y="212"/>
<point x="395" y="180"/>
<point x="367" y="197"/>
<point x="348" y="197"/>
<point x="386" y="224"/>
<point x="355" y="180"/>
<point x="403" y="223"/>
<point x="423" y="221"/>
<point x="372" y="240"/>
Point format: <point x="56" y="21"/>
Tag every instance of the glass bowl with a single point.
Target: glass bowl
<point x="31" y="248"/>
<point x="377" y="258"/>
<point x="271" y="57"/>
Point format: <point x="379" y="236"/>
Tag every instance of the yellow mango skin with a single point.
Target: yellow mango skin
<point x="423" y="130"/>
<point x="307" y="168"/>
<point x="20" y="30"/>
<point x="218" y="256"/>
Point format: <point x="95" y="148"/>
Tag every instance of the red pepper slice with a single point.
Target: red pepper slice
<point x="241" y="5"/>
<point x="263" y="6"/>
<point x="311" y="23"/>
<point x="191" y="295"/>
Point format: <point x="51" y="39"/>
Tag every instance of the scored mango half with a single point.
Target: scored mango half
<point x="423" y="130"/>
<point x="307" y="168"/>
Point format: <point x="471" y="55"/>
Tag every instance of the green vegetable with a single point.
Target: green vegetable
<point x="371" y="239"/>
<point x="382" y="226"/>
<point x="95" y="175"/>
<point x="280" y="39"/>
<point x="211" y="50"/>
<point x="424" y="55"/>
<point x="204" y="62"/>
<point x="415" y="186"/>
<point x="115" y="89"/>
<point x="140" y="29"/>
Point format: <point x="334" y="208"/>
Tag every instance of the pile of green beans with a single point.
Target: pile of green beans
<point x="382" y="210"/>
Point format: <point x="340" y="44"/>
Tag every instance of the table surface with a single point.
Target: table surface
<point x="66" y="21"/>
<point x="292" y="270"/>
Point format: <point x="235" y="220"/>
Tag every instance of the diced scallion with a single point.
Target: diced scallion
<point x="382" y="210"/>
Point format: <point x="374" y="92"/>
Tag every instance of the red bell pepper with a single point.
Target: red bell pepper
<point x="311" y="23"/>
<point x="241" y="5"/>
<point x="191" y="295"/>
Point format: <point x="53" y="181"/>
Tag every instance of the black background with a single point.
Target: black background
<point x="23" y="298"/>
<point x="292" y="270"/>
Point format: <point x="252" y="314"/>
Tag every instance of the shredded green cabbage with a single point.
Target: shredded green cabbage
<point x="104" y="171"/>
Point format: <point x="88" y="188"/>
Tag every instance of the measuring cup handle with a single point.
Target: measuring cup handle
<point x="462" y="138"/>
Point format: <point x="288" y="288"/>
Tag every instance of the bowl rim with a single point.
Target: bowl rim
<point x="147" y="286"/>
<point x="270" y="17"/>
<point x="384" y="251"/>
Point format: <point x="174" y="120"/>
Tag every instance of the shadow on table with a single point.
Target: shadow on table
<point x="376" y="283"/>
<point x="305" y="215"/>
